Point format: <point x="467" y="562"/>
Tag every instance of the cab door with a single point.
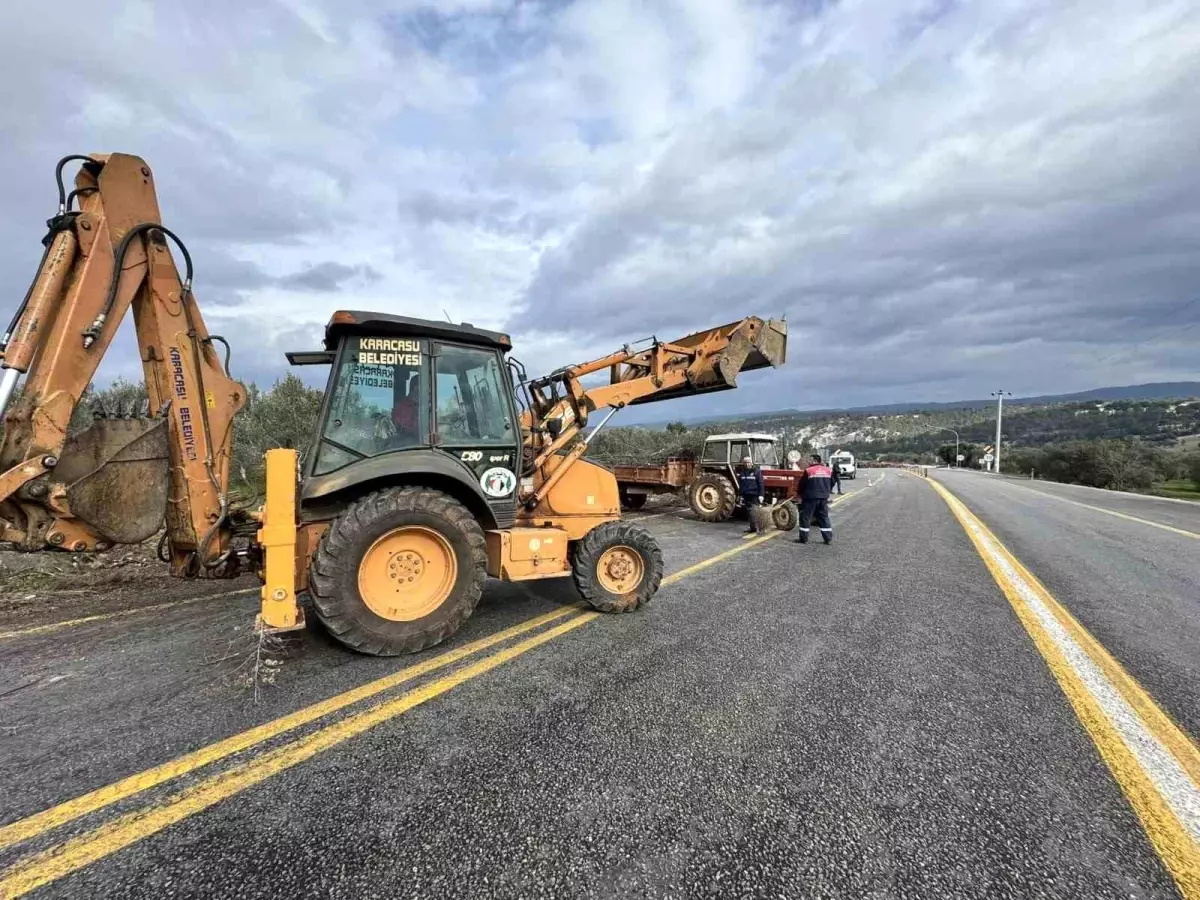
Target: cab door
<point x="475" y="420"/>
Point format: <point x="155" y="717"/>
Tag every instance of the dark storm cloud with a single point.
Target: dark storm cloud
<point x="328" y="277"/>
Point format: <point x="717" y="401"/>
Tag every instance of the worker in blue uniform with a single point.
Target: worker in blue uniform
<point x="815" y="485"/>
<point x="750" y="487"/>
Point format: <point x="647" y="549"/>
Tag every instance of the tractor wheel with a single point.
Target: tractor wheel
<point x="398" y="571"/>
<point x="632" y="501"/>
<point x="785" y="516"/>
<point x="711" y="497"/>
<point x="617" y="567"/>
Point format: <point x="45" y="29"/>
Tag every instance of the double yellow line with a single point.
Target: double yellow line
<point x="69" y="856"/>
<point x="52" y="864"/>
<point x="1154" y="761"/>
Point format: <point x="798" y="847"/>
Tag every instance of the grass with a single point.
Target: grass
<point x="1179" y="488"/>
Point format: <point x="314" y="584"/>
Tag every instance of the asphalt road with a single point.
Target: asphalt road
<point x="868" y="719"/>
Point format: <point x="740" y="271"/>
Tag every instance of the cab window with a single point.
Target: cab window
<point x="716" y="452"/>
<point x="738" y="450"/>
<point x="379" y="401"/>
<point x="764" y="454"/>
<point x="472" y="404"/>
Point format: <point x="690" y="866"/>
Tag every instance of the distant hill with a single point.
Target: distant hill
<point x="1159" y="415"/>
<point x="1166" y="390"/>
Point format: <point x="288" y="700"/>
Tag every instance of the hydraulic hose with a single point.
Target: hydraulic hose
<point x="93" y="331"/>
<point x="56" y="224"/>
<point x="79" y="192"/>
<point x="58" y="170"/>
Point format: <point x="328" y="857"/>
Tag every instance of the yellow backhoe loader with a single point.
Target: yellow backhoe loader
<point x="436" y="463"/>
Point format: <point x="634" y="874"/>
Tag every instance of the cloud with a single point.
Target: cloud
<point x="328" y="277"/>
<point x="941" y="197"/>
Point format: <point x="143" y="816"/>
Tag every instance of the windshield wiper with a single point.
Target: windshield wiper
<point x="344" y="448"/>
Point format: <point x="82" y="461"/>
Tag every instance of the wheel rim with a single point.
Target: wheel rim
<point x="707" y="497"/>
<point x="407" y="573"/>
<point x="620" y="570"/>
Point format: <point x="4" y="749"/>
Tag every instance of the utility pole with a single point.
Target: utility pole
<point x="999" y="395"/>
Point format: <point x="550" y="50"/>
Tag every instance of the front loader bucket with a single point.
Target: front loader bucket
<point x="760" y="347"/>
<point x="118" y="478"/>
<point x="750" y="344"/>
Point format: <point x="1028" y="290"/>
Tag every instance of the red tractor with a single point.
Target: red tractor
<point x="713" y="493"/>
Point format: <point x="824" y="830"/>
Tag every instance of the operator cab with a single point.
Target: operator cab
<point x="731" y="449"/>
<point x="400" y="384"/>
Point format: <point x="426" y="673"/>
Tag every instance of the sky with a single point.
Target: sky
<point x="943" y="198"/>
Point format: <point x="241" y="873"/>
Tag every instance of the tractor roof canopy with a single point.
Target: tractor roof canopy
<point x="346" y="322"/>
<point x="740" y="436"/>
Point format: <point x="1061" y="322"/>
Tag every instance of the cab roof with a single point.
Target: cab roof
<point x="741" y="436"/>
<point x="347" y="322"/>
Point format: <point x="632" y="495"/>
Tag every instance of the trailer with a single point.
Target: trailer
<point x="637" y="482"/>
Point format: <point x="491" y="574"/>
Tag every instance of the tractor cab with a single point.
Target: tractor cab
<point x="728" y="450"/>
<point x="432" y="400"/>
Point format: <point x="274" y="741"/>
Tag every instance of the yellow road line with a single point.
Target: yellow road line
<point x="31" y="826"/>
<point x="52" y="864"/>
<point x="1119" y="515"/>
<point x="70" y="623"/>
<point x="1152" y="759"/>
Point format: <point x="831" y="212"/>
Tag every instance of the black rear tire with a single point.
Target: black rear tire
<point x="712" y="497"/>
<point x="588" y="555"/>
<point x="333" y="575"/>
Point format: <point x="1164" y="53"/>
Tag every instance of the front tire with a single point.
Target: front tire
<point x="398" y="571"/>
<point x="617" y="567"/>
<point x="711" y="497"/>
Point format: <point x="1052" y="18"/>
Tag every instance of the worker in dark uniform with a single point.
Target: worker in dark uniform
<point x="837" y="478"/>
<point x="815" y="485"/>
<point x="750" y="487"/>
<point x="406" y="411"/>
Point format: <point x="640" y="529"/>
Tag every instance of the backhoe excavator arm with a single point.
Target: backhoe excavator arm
<point x="700" y="363"/>
<point x="112" y="482"/>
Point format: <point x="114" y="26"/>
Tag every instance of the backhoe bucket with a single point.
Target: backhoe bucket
<point x="118" y="478"/>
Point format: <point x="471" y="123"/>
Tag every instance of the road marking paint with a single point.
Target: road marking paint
<point x="70" y="623"/>
<point x="70" y="810"/>
<point x="1150" y="757"/>
<point x="31" y="826"/>
<point x="1119" y="515"/>
<point x="50" y="865"/>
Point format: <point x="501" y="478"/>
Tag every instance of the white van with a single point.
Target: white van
<point x="843" y="460"/>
